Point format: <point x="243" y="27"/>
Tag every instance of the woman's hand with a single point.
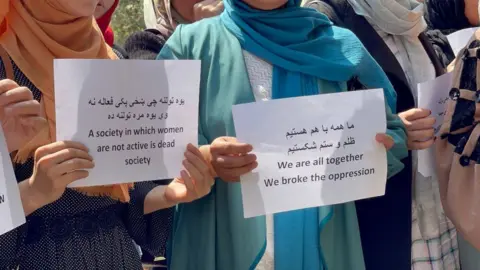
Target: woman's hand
<point x="207" y="8"/>
<point x="196" y="180"/>
<point x="20" y="114"/>
<point x="420" y="128"/>
<point x="386" y="140"/>
<point x="231" y="159"/>
<point x="56" y="166"/>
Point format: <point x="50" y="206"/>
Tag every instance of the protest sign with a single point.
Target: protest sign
<point x="11" y="209"/>
<point x="433" y="95"/>
<point x="135" y="116"/>
<point x="313" y="151"/>
<point x="459" y="39"/>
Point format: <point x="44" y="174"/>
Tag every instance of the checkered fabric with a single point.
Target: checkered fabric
<point x="434" y="253"/>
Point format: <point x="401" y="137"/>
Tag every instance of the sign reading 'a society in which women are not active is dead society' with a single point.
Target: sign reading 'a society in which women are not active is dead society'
<point x="136" y="117"/>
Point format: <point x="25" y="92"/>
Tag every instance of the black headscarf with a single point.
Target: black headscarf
<point x="447" y="16"/>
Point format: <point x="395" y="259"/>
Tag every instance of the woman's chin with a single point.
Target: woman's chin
<point x="100" y="11"/>
<point x="266" y="4"/>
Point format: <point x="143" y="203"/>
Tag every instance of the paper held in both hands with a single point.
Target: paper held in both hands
<point x="136" y="116"/>
<point x="11" y="209"/>
<point x="313" y="151"/>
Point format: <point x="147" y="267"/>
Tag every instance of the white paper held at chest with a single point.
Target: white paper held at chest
<point x="313" y="151"/>
<point x="11" y="209"/>
<point x="136" y="116"/>
<point x="459" y="39"/>
<point x="433" y="95"/>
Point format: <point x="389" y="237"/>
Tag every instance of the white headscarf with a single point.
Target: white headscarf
<point x="149" y="14"/>
<point x="403" y="20"/>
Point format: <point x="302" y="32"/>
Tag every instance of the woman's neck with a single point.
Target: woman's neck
<point x="471" y="12"/>
<point x="266" y="5"/>
<point x="184" y="8"/>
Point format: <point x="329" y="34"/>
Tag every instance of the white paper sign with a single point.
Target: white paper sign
<point x="313" y="150"/>
<point x="135" y="116"/>
<point x="458" y="40"/>
<point x="433" y="95"/>
<point x="11" y="209"/>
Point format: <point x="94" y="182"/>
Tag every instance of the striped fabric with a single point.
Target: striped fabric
<point x="438" y="252"/>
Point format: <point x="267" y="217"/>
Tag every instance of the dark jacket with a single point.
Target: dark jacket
<point x="385" y="222"/>
<point x="144" y="45"/>
<point x="447" y="16"/>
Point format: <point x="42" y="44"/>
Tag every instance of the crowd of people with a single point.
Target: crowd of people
<point x="250" y="50"/>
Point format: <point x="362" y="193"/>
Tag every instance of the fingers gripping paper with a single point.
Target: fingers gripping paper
<point x="135" y="116"/>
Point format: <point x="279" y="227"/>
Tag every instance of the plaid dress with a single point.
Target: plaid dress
<point x="434" y="238"/>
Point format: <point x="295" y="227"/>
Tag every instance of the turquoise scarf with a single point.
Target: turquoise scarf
<point x="303" y="46"/>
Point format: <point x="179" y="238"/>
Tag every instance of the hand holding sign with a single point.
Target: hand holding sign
<point x="386" y="140"/>
<point x="432" y="96"/>
<point x="420" y="128"/>
<point x="195" y="182"/>
<point x="330" y="151"/>
<point x="56" y="166"/>
<point x="20" y="114"/>
<point x="231" y="159"/>
<point x="135" y="132"/>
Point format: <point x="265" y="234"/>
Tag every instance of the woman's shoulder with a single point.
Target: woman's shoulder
<point x="144" y="44"/>
<point x="201" y="30"/>
<point x="441" y="46"/>
<point x="335" y="10"/>
<point x="196" y="39"/>
<point x="119" y="51"/>
<point x="19" y="77"/>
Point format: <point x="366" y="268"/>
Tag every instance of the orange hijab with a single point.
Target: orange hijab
<point x="34" y="33"/>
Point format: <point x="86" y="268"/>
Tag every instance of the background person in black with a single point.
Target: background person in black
<point x="449" y="16"/>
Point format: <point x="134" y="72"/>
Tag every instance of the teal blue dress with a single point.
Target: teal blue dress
<point x="211" y="233"/>
<point x="469" y="256"/>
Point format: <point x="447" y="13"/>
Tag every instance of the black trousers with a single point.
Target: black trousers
<point x="386" y="224"/>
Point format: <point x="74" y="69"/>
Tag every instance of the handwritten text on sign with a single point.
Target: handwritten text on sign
<point x="433" y="95"/>
<point x="313" y="151"/>
<point x="136" y="117"/>
<point x="11" y="209"/>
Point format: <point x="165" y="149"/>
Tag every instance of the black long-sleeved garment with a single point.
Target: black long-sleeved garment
<point x="83" y="232"/>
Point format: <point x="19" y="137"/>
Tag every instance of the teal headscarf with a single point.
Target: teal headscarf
<point x="303" y="46"/>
